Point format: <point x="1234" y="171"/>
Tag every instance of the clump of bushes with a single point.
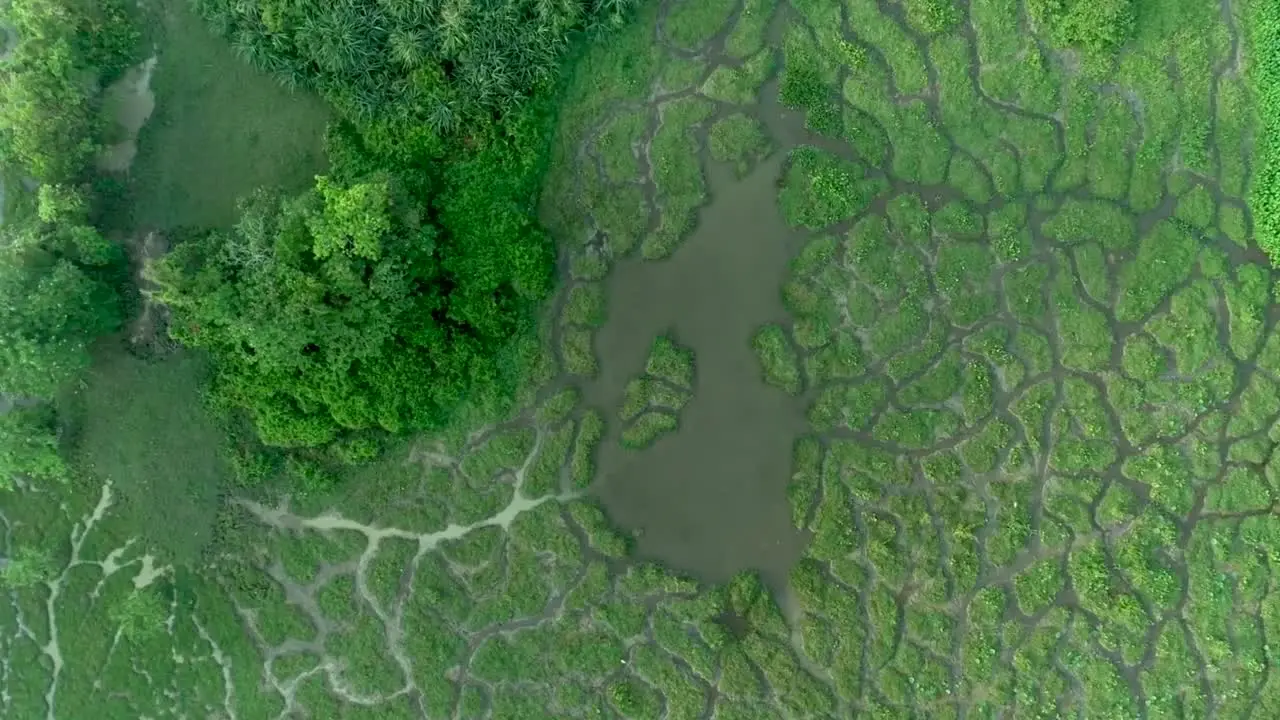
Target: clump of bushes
<point x="1093" y="25"/>
<point x="1263" y="28"/>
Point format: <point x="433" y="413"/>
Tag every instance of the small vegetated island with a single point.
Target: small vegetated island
<point x="652" y="402"/>
<point x="338" y="457"/>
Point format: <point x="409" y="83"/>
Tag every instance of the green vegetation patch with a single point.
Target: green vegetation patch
<point x="1165" y="258"/>
<point x="671" y="362"/>
<point x="651" y="404"/>
<point x="691" y="24"/>
<point x="806" y="83"/>
<point x="1096" y="26"/>
<point x="617" y="143"/>
<point x="820" y="189"/>
<point x="647" y="428"/>
<point x="677" y="175"/>
<point x="778" y="359"/>
<point x="740" y="140"/>
<point x="748" y="34"/>
<point x="577" y="351"/>
<point x="932" y="17"/>
<point x="740" y="85"/>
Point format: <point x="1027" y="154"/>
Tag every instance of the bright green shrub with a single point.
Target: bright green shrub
<point x="1093" y="25"/>
<point x="1263" y="32"/>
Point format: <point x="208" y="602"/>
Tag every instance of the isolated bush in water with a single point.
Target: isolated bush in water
<point x="336" y="311"/>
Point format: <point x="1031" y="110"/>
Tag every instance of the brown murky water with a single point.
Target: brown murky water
<point x="710" y="499"/>
<point x="128" y="103"/>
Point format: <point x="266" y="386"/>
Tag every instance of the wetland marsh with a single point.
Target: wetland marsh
<point x="908" y="361"/>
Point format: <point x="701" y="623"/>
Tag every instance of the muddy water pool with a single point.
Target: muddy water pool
<point x="710" y="499"/>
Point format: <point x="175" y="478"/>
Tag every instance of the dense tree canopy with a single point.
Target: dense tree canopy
<point x="341" y="310"/>
<point x="49" y="85"/>
<point x="57" y="273"/>
<point x="438" y="63"/>
<point x="55" y="294"/>
<point x="386" y="296"/>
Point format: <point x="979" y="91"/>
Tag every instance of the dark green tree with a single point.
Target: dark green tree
<point x="29" y="446"/>
<point x="339" y="311"/>
<point x="48" y="96"/>
<point x="56" y="294"/>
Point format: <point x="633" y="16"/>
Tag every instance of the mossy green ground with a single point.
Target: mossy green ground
<point x="1039" y="477"/>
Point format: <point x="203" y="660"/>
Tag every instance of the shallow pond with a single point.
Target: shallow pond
<point x="710" y="499"/>
<point x="209" y="129"/>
